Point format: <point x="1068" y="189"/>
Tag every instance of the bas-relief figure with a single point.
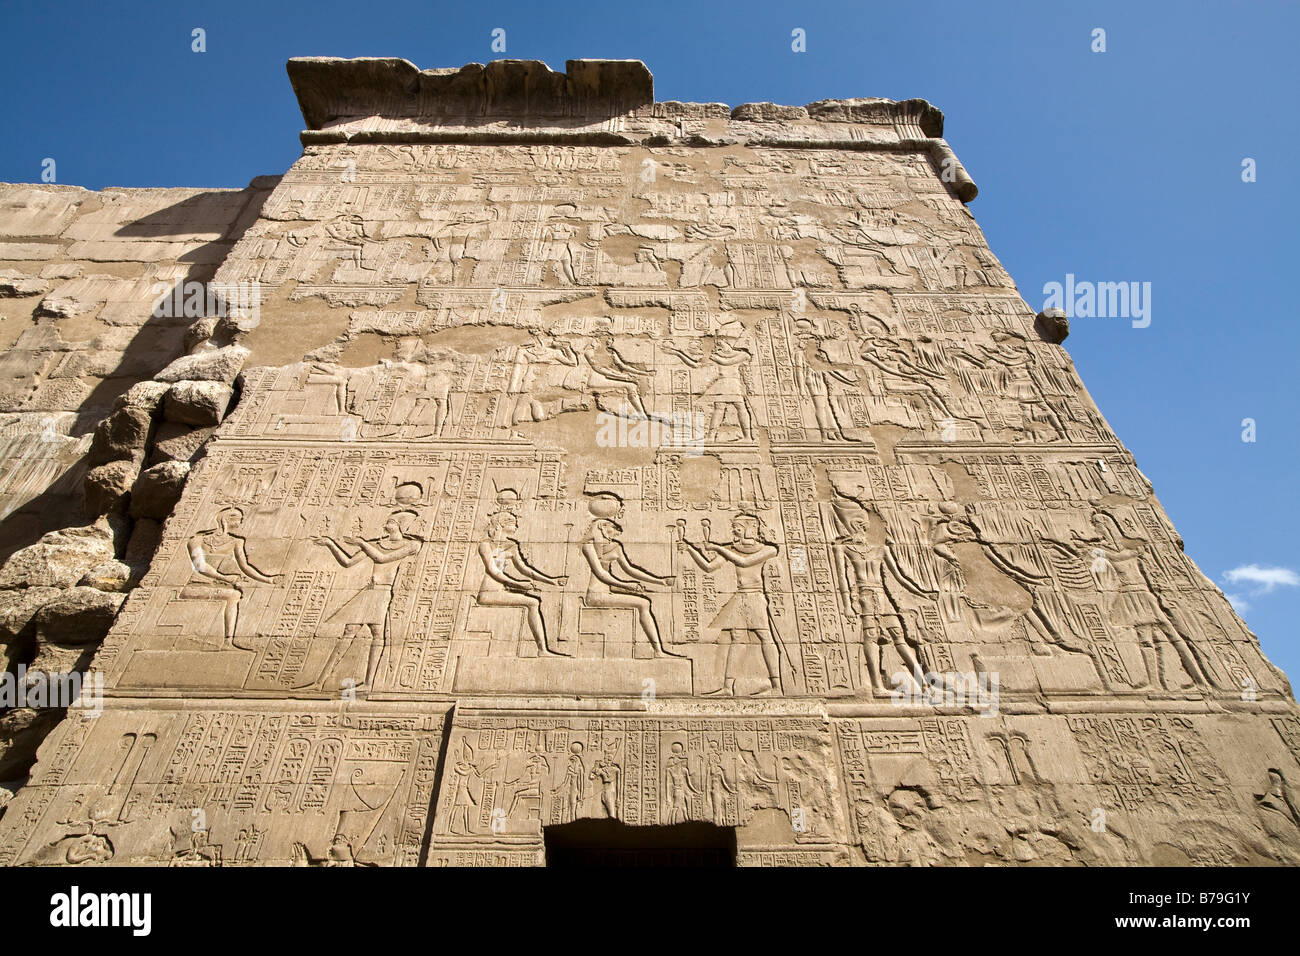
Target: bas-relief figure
<point x="413" y="553"/>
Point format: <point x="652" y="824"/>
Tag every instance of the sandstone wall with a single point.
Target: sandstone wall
<point x="602" y="458"/>
<point x="80" y="279"/>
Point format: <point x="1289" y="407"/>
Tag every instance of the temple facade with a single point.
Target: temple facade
<point x="536" y="472"/>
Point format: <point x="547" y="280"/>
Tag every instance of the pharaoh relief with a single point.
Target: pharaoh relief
<point x="658" y="463"/>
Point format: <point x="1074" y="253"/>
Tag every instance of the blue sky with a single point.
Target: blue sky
<point x="1122" y="165"/>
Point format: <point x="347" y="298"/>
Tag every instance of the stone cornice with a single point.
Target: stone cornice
<point x="593" y="103"/>
<point x="331" y="89"/>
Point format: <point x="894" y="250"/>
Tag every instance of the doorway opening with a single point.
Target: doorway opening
<point x="614" y="843"/>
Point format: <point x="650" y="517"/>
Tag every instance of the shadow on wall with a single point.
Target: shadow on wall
<point x="91" y="456"/>
<point x="72" y="351"/>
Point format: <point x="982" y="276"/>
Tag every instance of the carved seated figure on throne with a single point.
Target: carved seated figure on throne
<point x="617" y="582"/>
<point x="509" y="580"/>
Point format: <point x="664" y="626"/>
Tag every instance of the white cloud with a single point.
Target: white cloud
<point x="1263" y="579"/>
<point x="1239" y="603"/>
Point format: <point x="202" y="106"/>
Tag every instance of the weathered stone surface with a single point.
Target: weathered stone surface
<point x="18" y="606"/>
<point x="122" y="435"/>
<point x="197" y="403"/>
<point x="651" y="462"/>
<point x="329" y="88"/>
<point x="62" y="306"/>
<point x="145" y="535"/>
<point x="60" y="660"/>
<point x="157" y="489"/>
<point x="21" y="732"/>
<point x="107" y="486"/>
<point x="116" y="576"/>
<point x="1053" y="325"/>
<point x="219" y="365"/>
<point x="16" y="284"/>
<point x="147" y="395"/>
<point x="95" y="259"/>
<point x="79" y="615"/>
<point x="199" y="334"/>
<point x="59" y="558"/>
<point x="38" y="210"/>
<point x="768" y="113"/>
<point x="175" y="442"/>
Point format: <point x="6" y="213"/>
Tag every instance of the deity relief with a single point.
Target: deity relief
<point x="220" y="559"/>
<point x="746" y="612"/>
<point x="617" y="582"/>
<point x="449" y="574"/>
<point x="368" y="609"/>
<point x="510" y="580"/>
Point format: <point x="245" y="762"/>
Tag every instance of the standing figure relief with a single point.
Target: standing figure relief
<point x="219" y="558"/>
<point x="725" y="389"/>
<point x="865" y="571"/>
<point x="817" y="385"/>
<point x="368" y="609"/>
<point x="746" y="612"/>
<point x="678" y="786"/>
<point x="1124" y="579"/>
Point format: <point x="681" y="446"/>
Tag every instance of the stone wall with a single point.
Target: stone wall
<point x="82" y="275"/>
<point x="595" y="457"/>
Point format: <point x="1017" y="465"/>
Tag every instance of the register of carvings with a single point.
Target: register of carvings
<point x="594" y="457"/>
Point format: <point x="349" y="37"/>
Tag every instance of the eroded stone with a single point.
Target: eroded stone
<point x="175" y="442"/>
<point x="157" y="489"/>
<point x="598" y="460"/>
<point x="59" y="558"/>
<point x="219" y="365"/>
<point x="197" y="403"/>
<point x="107" y="486"/>
<point x="79" y="615"/>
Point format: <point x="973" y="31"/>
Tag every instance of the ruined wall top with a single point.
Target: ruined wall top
<point x="533" y="453"/>
<point x="594" y="102"/>
<point x="333" y="88"/>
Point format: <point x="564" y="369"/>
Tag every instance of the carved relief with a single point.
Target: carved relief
<point x="218" y="788"/>
<point x="514" y="775"/>
<point x="666" y="464"/>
